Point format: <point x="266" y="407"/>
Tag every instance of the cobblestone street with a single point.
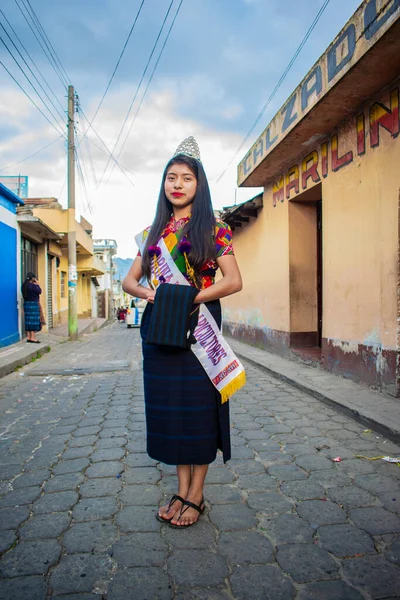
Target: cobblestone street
<point x="283" y="520"/>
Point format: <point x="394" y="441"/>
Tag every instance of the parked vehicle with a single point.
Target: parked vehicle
<point x="134" y="313"/>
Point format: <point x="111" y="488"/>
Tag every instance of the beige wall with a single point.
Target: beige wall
<point x="360" y="228"/>
<point x="356" y="172"/>
<point x="262" y="252"/>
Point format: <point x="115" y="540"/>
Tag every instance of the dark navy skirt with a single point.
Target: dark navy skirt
<point x="186" y="421"/>
<point x="32" y="315"/>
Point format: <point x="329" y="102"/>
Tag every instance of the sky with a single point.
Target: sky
<point x="220" y="63"/>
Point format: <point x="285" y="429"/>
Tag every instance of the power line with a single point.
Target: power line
<point x="28" y="96"/>
<point x="116" y="66"/>
<point x="41" y="45"/>
<point x="33" y="74"/>
<point x="278" y="85"/>
<point x="31" y="59"/>
<point x="49" y="45"/>
<point x="147" y="86"/>
<point x="123" y="169"/>
<point x="138" y="87"/>
<point x="31" y="155"/>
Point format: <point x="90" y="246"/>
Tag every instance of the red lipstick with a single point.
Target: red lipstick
<point x="176" y="194"/>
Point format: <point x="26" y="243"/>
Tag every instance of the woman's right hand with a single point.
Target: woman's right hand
<point x="150" y="295"/>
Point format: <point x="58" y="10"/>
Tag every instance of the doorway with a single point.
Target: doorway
<point x="306" y="273"/>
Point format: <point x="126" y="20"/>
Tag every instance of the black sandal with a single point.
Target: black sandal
<point x="186" y="503"/>
<point x="174" y="498"/>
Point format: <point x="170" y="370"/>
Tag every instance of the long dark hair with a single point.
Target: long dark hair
<point x="24" y="287"/>
<point x="200" y="229"/>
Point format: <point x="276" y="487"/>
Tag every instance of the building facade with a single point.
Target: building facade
<point x="319" y="250"/>
<point x="104" y="250"/>
<point x="44" y="250"/>
<point x="9" y="267"/>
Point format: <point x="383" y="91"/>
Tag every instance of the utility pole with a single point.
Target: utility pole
<point x="72" y="272"/>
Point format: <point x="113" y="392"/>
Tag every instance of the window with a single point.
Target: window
<point x="63" y="280"/>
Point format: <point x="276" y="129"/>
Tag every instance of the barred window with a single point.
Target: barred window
<point x="63" y="279"/>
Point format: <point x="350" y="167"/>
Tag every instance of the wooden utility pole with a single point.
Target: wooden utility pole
<point x="72" y="272"/>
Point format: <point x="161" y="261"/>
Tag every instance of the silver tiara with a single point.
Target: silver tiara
<point x="189" y="147"/>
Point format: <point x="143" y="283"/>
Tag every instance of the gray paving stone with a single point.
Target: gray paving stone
<point x="32" y="478"/>
<point x="117" y="442"/>
<point x="200" y="594"/>
<point x="272" y="458"/>
<point x="20" y="497"/>
<point x="96" y="536"/>
<point x="375" y="520"/>
<point x="81" y="573"/>
<point x="313" y="462"/>
<point x="261" y="581"/>
<point x="71" y="466"/>
<point x="86" y="440"/>
<point x="287" y="472"/>
<point x="95" y="488"/>
<point x="140" y="550"/>
<point x="77" y="597"/>
<point x="132" y="476"/>
<point x="79" y="452"/>
<point x="113" y="454"/>
<point x="55" y="502"/>
<point x="254" y="434"/>
<point x="245" y="466"/>
<point x="21" y="588"/>
<point x="147" y="582"/>
<point x="329" y="590"/>
<point x="245" y="547"/>
<point x="392" y="552"/>
<point x="113" y="432"/>
<point x="137" y="518"/>
<point x="197" y="568"/>
<point x="351" y="496"/>
<point x="259" y="482"/>
<point x="232" y="517"/>
<point x="269" y="503"/>
<point x="277" y="428"/>
<point x="201" y="537"/>
<point x="354" y="467"/>
<point x="377" y="483"/>
<point x="86" y="431"/>
<point x="45" y="527"/>
<point x="390" y="501"/>
<point x="61" y="483"/>
<point x="345" y="540"/>
<point x="243" y="452"/>
<point x="263" y="445"/>
<point x="30" y="558"/>
<point x="8" y="471"/>
<point x="10" y="518"/>
<point x="318" y="512"/>
<point x="220" y="475"/>
<point x="139" y="460"/>
<point x="287" y="529"/>
<point x="303" y="490"/>
<point x="306" y="562"/>
<point x="7" y="539"/>
<point x="94" y="509"/>
<point x="107" y="468"/>
<point x="141" y="495"/>
<point x="330" y="479"/>
<point x="373" y="575"/>
<point x="222" y="494"/>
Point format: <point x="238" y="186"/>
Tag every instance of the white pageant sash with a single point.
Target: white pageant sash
<point x="223" y="368"/>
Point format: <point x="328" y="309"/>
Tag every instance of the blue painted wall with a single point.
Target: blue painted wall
<point x="9" y="333"/>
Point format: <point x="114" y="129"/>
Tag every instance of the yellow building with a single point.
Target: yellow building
<point x="44" y="231"/>
<point x="319" y="249"/>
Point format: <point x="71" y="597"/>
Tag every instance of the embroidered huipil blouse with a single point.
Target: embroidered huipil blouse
<point x="172" y="235"/>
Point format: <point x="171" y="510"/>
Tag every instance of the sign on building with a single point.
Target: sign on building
<point x="16" y="183"/>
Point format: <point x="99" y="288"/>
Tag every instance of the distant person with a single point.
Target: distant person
<point x="31" y="291"/>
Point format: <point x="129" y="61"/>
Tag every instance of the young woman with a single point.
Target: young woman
<point x="31" y="291"/>
<point x="186" y="421"/>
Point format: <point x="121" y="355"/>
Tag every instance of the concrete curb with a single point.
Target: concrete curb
<point x="23" y="360"/>
<point x="372" y="422"/>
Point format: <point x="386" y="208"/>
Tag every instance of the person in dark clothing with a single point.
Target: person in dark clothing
<point x="31" y="291"/>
